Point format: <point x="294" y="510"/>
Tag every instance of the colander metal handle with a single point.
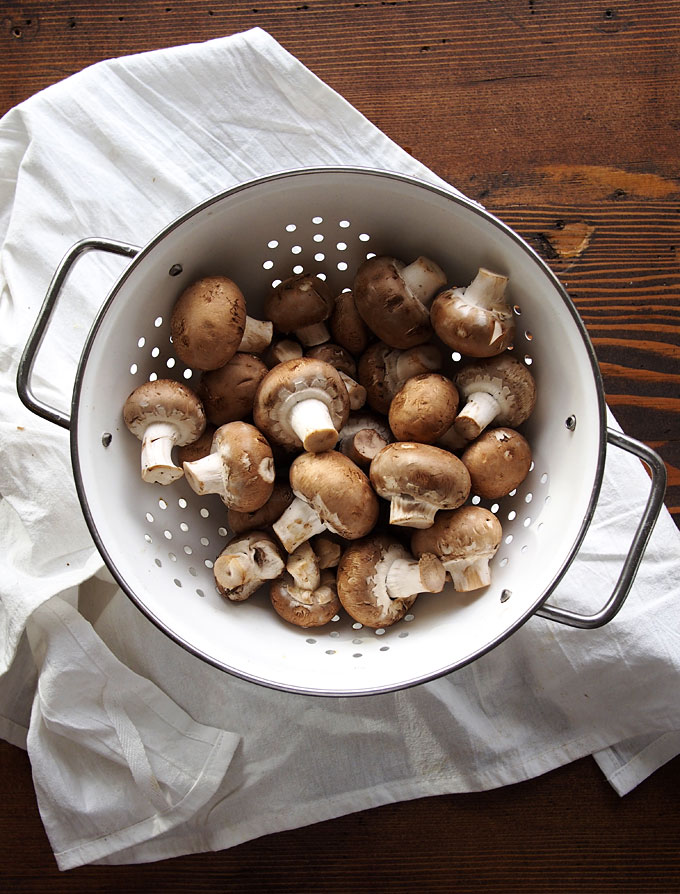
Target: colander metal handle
<point x="32" y="348"/>
<point x="642" y="534"/>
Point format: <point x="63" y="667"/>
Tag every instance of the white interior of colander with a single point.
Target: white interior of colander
<point x="160" y="542"/>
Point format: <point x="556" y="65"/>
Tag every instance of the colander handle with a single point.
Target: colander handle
<point x="642" y="534"/>
<point x="32" y="348"/>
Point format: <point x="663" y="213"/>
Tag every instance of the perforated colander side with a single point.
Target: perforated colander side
<point x="161" y="542"/>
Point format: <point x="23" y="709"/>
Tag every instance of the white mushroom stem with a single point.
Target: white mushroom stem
<point x="283" y="350"/>
<point x="310" y="419"/>
<point x="486" y="289"/>
<point x="402" y="365"/>
<point x="452" y="440"/>
<point x="257" y="336"/>
<point x="303" y="567"/>
<point x="357" y="392"/>
<point x="205" y="476"/>
<point x="232" y="570"/>
<point x="328" y="551"/>
<point x="321" y="594"/>
<point x="407" y="511"/>
<point x="363" y="445"/>
<point x="157" y="443"/>
<point x="469" y="573"/>
<point x="298" y="523"/>
<point x="407" y="577"/>
<point x="424" y="279"/>
<point x="314" y="334"/>
<point x="480" y="409"/>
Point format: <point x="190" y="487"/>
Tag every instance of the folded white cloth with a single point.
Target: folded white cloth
<point x="139" y="750"/>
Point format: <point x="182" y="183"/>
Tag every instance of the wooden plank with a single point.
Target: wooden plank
<point x="563" y="118"/>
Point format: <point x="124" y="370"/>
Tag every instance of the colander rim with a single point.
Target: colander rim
<point x="450" y="195"/>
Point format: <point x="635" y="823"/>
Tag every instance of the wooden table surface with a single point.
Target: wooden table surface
<point x="563" y="118"/>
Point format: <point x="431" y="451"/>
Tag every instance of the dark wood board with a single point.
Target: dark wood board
<point x="563" y="118"/>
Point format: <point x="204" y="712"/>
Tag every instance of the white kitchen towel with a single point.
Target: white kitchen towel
<point x="199" y="760"/>
<point x="160" y="766"/>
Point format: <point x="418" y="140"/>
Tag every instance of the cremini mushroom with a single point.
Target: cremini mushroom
<point x="228" y="392"/>
<point x="465" y="539"/>
<point x="393" y="298"/>
<point x="345" y="364"/>
<point x="424" y="408"/>
<point x="257" y="336"/>
<point x="282" y="349"/>
<point x="363" y="437"/>
<point x="379" y="580"/>
<point x="336" y="355"/>
<point x="303" y="566"/>
<point x="302" y="404"/>
<point x="331" y="493"/>
<point x="498" y="461"/>
<point x="475" y="320"/>
<point x="383" y="370"/>
<point x="355" y="391"/>
<point x="281" y="498"/>
<point x="240" y="468"/>
<point x="496" y="389"/>
<point x="328" y="549"/>
<point x="245" y="563"/>
<point x="207" y="322"/>
<point x="301" y="304"/>
<point x="346" y="325"/>
<point x="305" y="607"/>
<point x="162" y="414"/>
<point x="419" y="480"/>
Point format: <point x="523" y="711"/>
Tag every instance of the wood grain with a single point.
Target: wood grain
<point x="563" y="118"/>
<point x="563" y="832"/>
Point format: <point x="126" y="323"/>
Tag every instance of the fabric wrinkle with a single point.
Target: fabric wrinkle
<point x="140" y="751"/>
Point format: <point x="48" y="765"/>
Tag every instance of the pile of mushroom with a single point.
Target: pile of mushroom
<point x="344" y="447"/>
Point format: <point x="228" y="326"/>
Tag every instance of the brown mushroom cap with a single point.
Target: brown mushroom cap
<point x="228" y="392"/>
<point x="424" y="408"/>
<point x="419" y="480"/>
<point x="498" y="461"/>
<point x="383" y="370"/>
<point x="346" y="325"/>
<point x="278" y="410"/>
<point x="336" y="355"/>
<point x="379" y="580"/>
<point x="299" y="302"/>
<point x="496" y="389"/>
<point x="465" y="539"/>
<point x="338" y="490"/>
<point x="162" y="414"/>
<point x="302" y="607"/>
<point x="331" y="494"/>
<point x="387" y="304"/>
<point x="477" y="321"/>
<point x="245" y="563"/>
<point x="207" y="322"/>
<point x="240" y="468"/>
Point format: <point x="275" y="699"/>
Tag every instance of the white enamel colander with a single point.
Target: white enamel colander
<point x="160" y="542"/>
